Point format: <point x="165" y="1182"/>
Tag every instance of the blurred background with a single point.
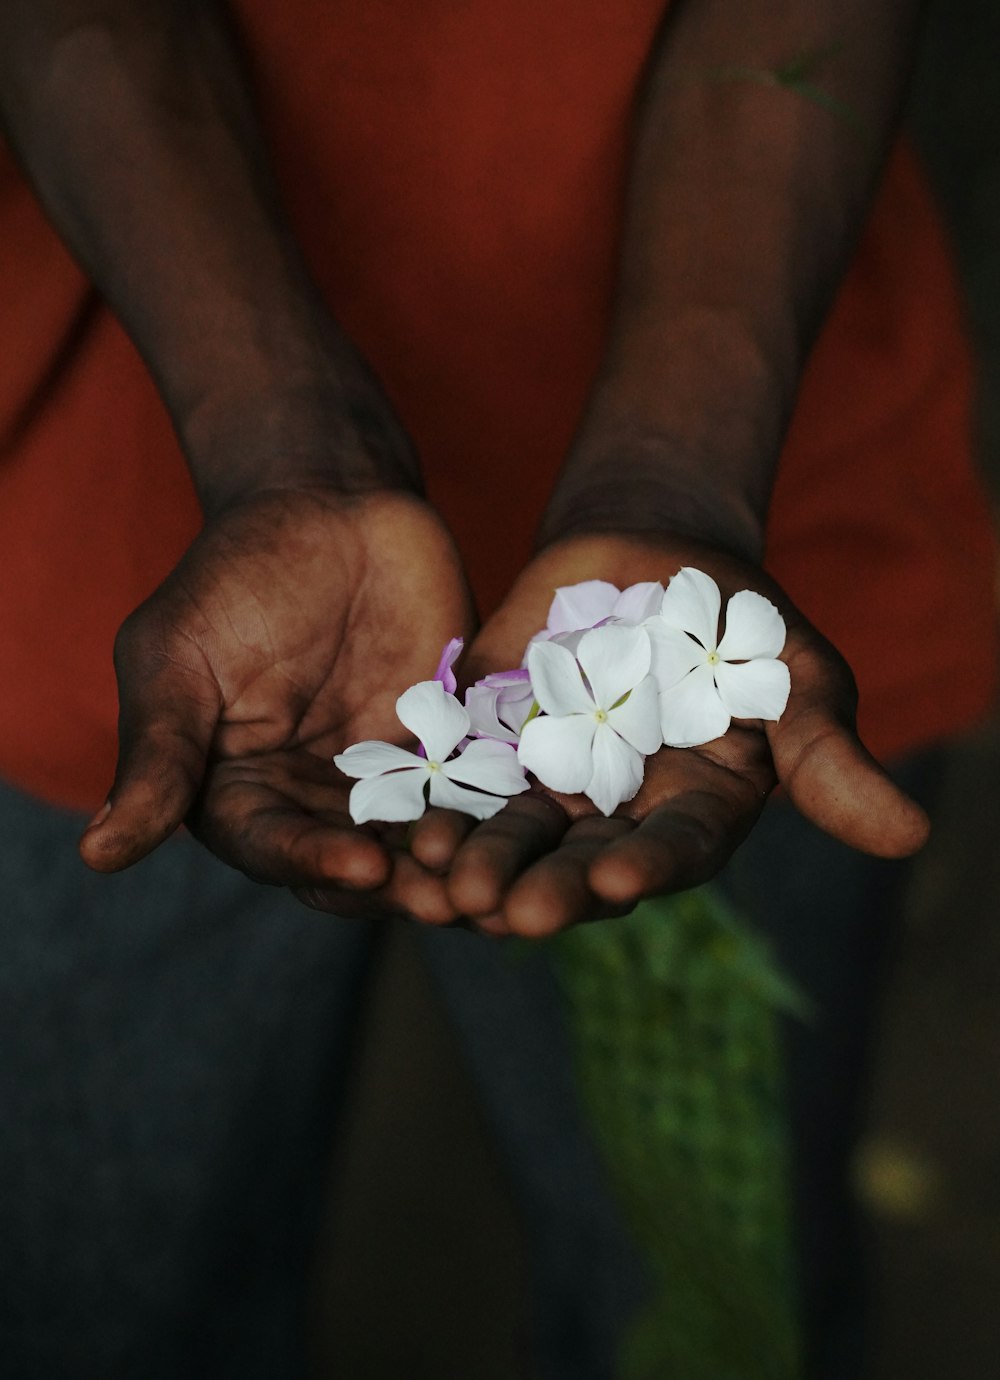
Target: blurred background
<point x="930" y="1169"/>
<point x="422" y="1212"/>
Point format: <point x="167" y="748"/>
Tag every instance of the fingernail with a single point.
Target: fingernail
<point x="100" y="817"/>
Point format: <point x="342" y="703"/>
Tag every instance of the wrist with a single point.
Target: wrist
<point x="681" y="434"/>
<point x="324" y="423"/>
<point x="646" y="485"/>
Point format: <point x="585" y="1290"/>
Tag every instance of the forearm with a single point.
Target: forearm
<point x="134" y="122"/>
<point x="745" y="200"/>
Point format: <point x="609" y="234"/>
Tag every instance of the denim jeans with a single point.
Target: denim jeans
<point x="173" y="1048"/>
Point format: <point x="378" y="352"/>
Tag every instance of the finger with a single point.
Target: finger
<point x="283" y="818"/>
<point x="498" y="851"/>
<point x="554" y="892"/>
<point x="275" y="841"/>
<point x="167" y="717"/>
<point x="679" y="845"/>
<point x="436" y="836"/>
<point x="835" y="782"/>
<point x="706" y="801"/>
<point x="410" y="891"/>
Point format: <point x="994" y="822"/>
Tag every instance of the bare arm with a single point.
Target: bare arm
<point x="134" y="121"/>
<point x="321" y="585"/>
<point x="759" y="138"/>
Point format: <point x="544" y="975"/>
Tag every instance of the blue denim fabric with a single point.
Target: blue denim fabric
<point x="173" y="1045"/>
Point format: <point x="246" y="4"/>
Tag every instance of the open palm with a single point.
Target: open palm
<point x="547" y="861"/>
<point x="285" y="634"/>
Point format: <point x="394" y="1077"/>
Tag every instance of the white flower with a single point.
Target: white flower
<point x="594" y="601"/>
<point x="499" y="704"/>
<point x="600" y="715"/>
<point x="394" y="783"/>
<point x="704" y="682"/>
<point x="576" y="609"/>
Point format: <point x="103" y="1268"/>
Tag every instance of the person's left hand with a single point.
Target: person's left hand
<point x="548" y="861"/>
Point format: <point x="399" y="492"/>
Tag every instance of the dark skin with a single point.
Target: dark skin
<point x="287" y="632"/>
<point x="548" y="861"/>
<point x="322" y="586"/>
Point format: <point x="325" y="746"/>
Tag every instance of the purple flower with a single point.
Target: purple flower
<point x="499" y="704"/>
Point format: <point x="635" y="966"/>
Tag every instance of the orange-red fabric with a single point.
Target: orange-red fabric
<point x="454" y="173"/>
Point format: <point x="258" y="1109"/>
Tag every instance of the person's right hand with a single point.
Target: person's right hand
<point x="284" y="635"/>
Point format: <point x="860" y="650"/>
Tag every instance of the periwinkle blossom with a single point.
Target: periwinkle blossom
<point x="595" y="601"/>
<point x="613" y="676"/>
<point x="599" y="715"/>
<point x="590" y="604"/>
<point x="706" y="682"/>
<point x="395" y="784"/>
<point x="499" y="704"/>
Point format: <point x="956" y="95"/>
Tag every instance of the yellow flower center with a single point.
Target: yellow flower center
<point x="433" y="766"/>
<point x="601" y="715"/>
<point x="714" y="658"/>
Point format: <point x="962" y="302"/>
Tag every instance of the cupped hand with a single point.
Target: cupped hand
<point x="285" y="634"/>
<point x="548" y="861"/>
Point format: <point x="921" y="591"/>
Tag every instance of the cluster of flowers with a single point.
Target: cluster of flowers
<point x="614" y="676"/>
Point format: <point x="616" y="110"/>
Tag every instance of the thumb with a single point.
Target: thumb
<point x="166" y="722"/>
<point x="834" y="781"/>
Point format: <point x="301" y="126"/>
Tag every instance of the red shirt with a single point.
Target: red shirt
<point x="454" y="173"/>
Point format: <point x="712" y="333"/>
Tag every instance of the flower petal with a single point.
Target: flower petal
<point x="673" y="652"/>
<point x="514" y="704"/>
<point x="754" y="627"/>
<point x="512" y="701"/>
<point x="581" y="606"/>
<point x="691" y="711"/>
<point x="569" y="640"/>
<point x="490" y="766"/>
<point x="372" y="758"/>
<point x="499" y="679"/>
<point x="481" y="707"/>
<point x="557" y="681"/>
<point x="618" y="770"/>
<point x="444" y="673"/>
<point x="393" y="798"/>
<point x="614" y="659"/>
<point x="754" y="689"/>
<point x="433" y="716"/>
<point x="638" y="719"/>
<point x="692" y="602"/>
<point x="558" y="751"/>
<point x="639" y="602"/>
<point x="449" y="796"/>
